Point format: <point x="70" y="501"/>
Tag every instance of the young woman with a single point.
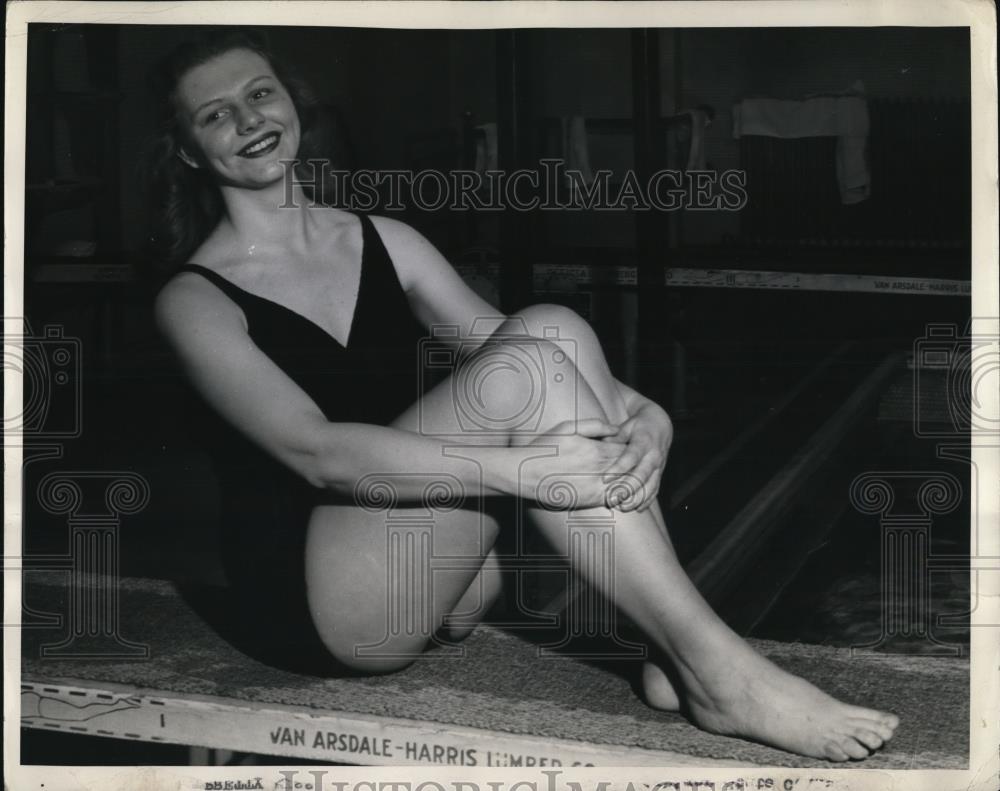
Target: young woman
<point x="300" y="325"/>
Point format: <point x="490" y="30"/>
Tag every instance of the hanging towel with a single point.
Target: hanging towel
<point x="576" y="148"/>
<point x="486" y="148"/>
<point x="843" y="117"/>
<point x="576" y="154"/>
<point x="700" y="119"/>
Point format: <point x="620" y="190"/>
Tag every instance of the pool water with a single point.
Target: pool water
<point x="842" y="597"/>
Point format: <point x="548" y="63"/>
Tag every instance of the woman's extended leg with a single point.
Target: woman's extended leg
<point x="727" y="688"/>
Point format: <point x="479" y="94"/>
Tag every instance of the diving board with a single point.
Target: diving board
<point x="500" y="704"/>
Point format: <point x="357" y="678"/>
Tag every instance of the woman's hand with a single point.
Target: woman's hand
<point x="577" y="476"/>
<point x="647" y="436"/>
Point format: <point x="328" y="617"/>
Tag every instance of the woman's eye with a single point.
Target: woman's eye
<point x="215" y="116"/>
<point x="260" y="93"/>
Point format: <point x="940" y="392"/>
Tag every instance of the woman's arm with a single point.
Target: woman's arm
<point x="438" y="295"/>
<point x="253" y="394"/>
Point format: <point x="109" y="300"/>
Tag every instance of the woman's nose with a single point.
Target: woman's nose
<point x="249" y="119"/>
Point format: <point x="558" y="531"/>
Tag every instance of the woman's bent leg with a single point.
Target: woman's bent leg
<point x="380" y="584"/>
<point x="727" y="687"/>
<point x="356" y="558"/>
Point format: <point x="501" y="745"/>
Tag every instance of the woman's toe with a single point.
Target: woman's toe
<point x="835" y="752"/>
<point x="854" y="748"/>
<point x="890" y="720"/>
<point x="871" y="716"/>
<point x="876" y="726"/>
<point x="867" y="737"/>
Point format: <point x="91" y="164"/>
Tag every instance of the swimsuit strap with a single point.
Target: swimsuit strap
<point x="231" y="290"/>
<point x="377" y="262"/>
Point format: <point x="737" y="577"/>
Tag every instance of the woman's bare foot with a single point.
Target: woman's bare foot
<point x="754" y="699"/>
<point x="657" y="689"/>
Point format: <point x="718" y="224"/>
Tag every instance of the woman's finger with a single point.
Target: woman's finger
<point x="647" y="467"/>
<point x="645" y="472"/>
<point x="624" y="463"/>
<point x="650" y="494"/>
<point x="649" y="471"/>
<point x="621" y="490"/>
<point x="621" y="436"/>
<point x="592" y="427"/>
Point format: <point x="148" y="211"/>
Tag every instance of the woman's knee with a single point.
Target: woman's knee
<point x="553" y="322"/>
<point x="510" y="381"/>
<point x="579" y="343"/>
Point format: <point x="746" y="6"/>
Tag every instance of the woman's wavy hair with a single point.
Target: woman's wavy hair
<point x="187" y="204"/>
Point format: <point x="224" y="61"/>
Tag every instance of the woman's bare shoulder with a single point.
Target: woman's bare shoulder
<point x="189" y="299"/>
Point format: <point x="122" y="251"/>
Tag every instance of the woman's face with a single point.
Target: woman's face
<point x="238" y="119"/>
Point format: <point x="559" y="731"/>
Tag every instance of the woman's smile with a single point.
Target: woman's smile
<point x="235" y="112"/>
<point x="262" y="146"/>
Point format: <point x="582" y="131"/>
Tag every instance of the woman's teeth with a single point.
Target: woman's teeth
<point x="258" y="148"/>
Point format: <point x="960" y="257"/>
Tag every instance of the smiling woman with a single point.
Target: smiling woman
<point x="186" y="195"/>
<point x="301" y="327"/>
<point x="218" y="129"/>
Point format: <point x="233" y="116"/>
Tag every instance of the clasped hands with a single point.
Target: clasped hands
<point x="624" y="462"/>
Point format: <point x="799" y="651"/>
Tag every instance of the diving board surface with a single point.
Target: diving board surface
<point x="500" y="704"/>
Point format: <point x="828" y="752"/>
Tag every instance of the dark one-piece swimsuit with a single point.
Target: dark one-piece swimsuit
<point x="264" y="505"/>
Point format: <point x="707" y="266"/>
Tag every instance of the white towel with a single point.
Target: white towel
<point x="576" y="148"/>
<point x="843" y="117"/>
<point x="576" y="154"/>
<point x="486" y="148"/>
<point x="696" y="152"/>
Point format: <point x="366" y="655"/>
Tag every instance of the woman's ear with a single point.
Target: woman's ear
<point x="187" y="159"/>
